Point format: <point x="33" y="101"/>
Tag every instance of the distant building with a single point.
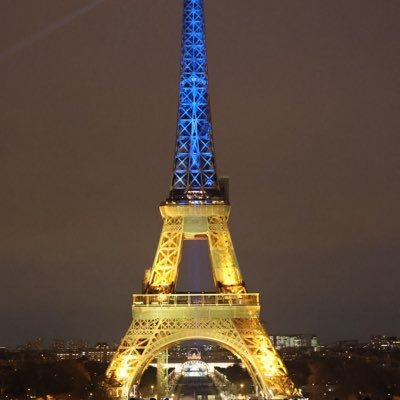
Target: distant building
<point x="305" y="341"/>
<point x="35" y="345"/>
<point x="347" y="344"/>
<point x="58" y="345"/>
<point x="63" y="355"/>
<point x="102" y="346"/>
<point x="68" y="345"/>
<point x="101" y="353"/>
<point x="77" y="344"/>
<point x="209" y="352"/>
<point x="383" y="342"/>
<point x="4" y="356"/>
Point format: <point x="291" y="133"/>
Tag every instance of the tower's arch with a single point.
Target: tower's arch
<point x="234" y="327"/>
<point x="135" y="377"/>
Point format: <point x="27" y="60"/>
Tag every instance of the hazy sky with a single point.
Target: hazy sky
<point x="305" y="101"/>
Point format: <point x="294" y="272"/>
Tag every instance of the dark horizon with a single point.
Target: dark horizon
<point x="48" y="341"/>
<point x="305" y="120"/>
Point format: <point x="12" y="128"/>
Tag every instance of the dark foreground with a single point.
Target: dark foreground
<point x="327" y="375"/>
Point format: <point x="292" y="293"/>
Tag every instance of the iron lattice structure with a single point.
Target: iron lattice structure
<point x="194" y="173"/>
<point x="188" y="222"/>
<point x="196" y="210"/>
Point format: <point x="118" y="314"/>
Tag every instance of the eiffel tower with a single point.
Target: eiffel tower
<point x="197" y="209"/>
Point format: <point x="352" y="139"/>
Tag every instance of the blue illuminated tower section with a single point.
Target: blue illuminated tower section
<point x="194" y="176"/>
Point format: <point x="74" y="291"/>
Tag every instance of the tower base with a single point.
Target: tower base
<point x="231" y="320"/>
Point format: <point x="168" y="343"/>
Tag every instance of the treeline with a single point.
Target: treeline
<point x="349" y="378"/>
<point x="76" y="379"/>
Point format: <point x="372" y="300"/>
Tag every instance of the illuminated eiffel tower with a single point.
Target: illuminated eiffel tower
<point x="197" y="209"/>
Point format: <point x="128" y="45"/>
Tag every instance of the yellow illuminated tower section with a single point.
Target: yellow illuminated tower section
<point x="197" y="208"/>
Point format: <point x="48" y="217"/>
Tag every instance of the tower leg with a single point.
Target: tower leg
<point x="164" y="272"/>
<point x="271" y="369"/>
<point x="225" y="266"/>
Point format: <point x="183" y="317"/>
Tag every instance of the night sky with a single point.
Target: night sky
<point x="305" y="101"/>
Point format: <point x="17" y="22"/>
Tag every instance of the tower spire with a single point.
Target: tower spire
<point x="194" y="176"/>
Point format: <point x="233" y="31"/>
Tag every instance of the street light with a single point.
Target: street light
<point x="241" y="389"/>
